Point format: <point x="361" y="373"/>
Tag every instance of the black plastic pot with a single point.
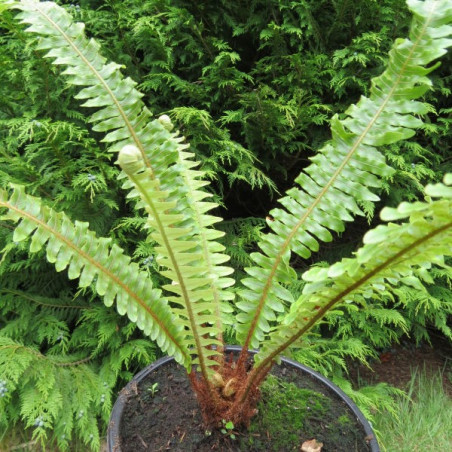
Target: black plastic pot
<point x="114" y="427"/>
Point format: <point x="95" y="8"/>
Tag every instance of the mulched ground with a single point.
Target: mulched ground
<point x="395" y="366"/>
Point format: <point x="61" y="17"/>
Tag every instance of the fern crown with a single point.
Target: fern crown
<point x="186" y="316"/>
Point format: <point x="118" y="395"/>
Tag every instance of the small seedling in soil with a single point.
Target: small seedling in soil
<point x="153" y="389"/>
<point x="228" y="429"/>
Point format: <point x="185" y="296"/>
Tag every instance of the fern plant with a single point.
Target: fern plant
<point x="188" y="314"/>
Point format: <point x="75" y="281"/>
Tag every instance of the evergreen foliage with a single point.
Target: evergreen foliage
<point x="246" y="108"/>
<point x="60" y="361"/>
<point x="259" y="81"/>
<point x="294" y="65"/>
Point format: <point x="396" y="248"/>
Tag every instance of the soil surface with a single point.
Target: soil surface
<point x="397" y="364"/>
<point x="168" y="418"/>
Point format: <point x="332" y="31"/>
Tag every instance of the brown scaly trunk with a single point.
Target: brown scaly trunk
<point x="233" y="400"/>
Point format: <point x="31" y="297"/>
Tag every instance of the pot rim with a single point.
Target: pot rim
<point x="116" y="413"/>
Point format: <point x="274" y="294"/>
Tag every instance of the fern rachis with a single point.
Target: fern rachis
<point x="314" y="204"/>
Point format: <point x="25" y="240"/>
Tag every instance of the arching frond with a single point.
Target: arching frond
<point x="340" y="176"/>
<point x="96" y="262"/>
<point x="126" y="121"/>
<point x="179" y="254"/>
<point x="392" y="254"/>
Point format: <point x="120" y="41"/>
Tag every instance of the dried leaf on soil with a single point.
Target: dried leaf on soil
<point x="311" y="446"/>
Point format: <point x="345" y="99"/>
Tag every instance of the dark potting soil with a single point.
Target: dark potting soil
<point x="162" y="414"/>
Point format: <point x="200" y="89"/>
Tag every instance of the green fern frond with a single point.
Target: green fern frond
<point x="332" y="187"/>
<point x="126" y="121"/>
<point x="97" y="262"/>
<point x="185" y="263"/>
<point x="212" y="252"/>
<point x="391" y="254"/>
<point x="121" y="114"/>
